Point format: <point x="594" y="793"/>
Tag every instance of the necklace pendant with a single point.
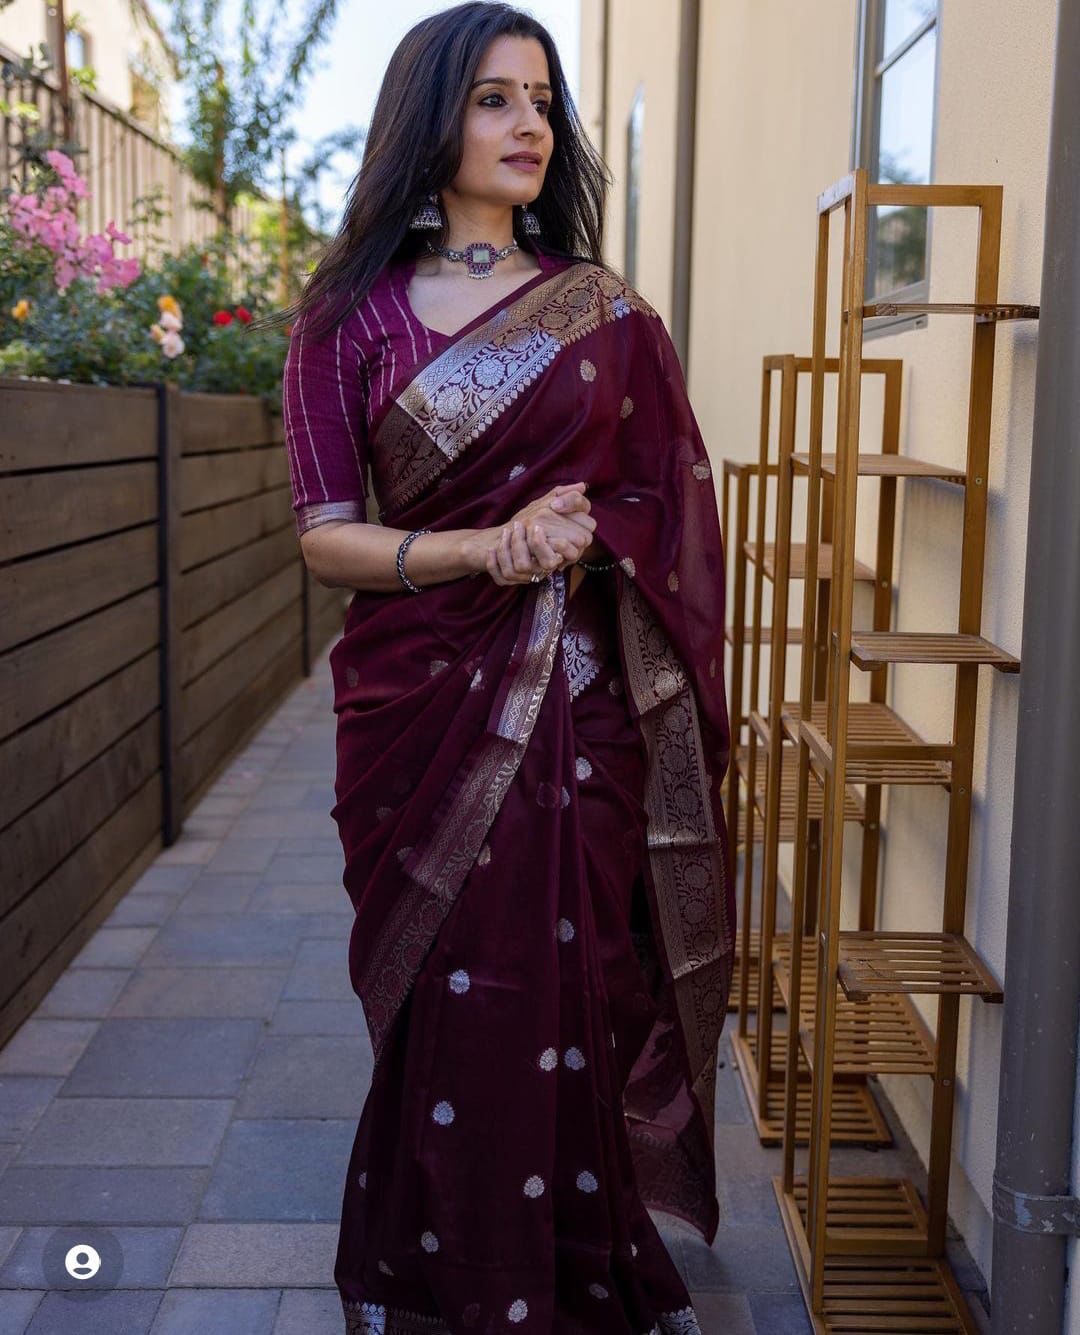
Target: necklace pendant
<point x="480" y="259"/>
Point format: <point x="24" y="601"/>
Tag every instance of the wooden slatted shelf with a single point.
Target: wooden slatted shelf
<point x="884" y="465"/>
<point x="736" y="977"/>
<point x="864" y="1213"/>
<point x="854" y="806"/>
<point x="794" y="634"/>
<point x="857" y="1119"/>
<point x="985" y="312"/>
<point x="873" y="724"/>
<point x="797" y="568"/>
<point x="880" y="1035"/>
<point x="875" y="649"/>
<point x="876" y="964"/>
<point x="865" y="1292"/>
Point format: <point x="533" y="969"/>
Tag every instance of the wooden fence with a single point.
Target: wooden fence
<point x="153" y="607"/>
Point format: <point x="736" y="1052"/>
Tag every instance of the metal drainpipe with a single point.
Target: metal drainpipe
<point x="685" y="135"/>
<point x="1034" y="1213"/>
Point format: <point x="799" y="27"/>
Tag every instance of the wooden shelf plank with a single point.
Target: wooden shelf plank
<point x="872" y="649"/>
<point x="887" y="963"/>
<point x="797" y="568"/>
<point x="884" y="465"/>
<point x="984" y="312"/>
<point x="874" y="724"/>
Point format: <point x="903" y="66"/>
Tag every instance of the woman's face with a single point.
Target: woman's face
<point x="504" y="118"/>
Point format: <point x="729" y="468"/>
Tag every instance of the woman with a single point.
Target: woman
<point x="532" y="728"/>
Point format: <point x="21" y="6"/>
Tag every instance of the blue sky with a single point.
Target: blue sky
<point x="348" y="68"/>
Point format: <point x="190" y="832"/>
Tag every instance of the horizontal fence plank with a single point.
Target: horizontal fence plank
<point x="43" y="592"/>
<point x="227" y="422"/>
<point x="44" y="425"/>
<point x="46" y="834"/>
<point x="42" y="510"/>
<point x="205" y="589"/>
<point x="213" y="479"/>
<point x="42" y="675"/>
<point x="222" y="683"/>
<point x="224" y="528"/>
<point x="41" y="757"/>
<point x="30" y="933"/>
<point x="201" y="756"/>
<point x="212" y="638"/>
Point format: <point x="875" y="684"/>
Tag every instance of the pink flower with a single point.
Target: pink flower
<point x="114" y="232"/>
<point x="172" y="345"/>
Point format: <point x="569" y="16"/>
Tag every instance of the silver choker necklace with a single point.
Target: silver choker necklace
<point x="480" y="256"/>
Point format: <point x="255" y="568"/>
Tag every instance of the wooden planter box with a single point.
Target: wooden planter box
<point x="153" y="608"/>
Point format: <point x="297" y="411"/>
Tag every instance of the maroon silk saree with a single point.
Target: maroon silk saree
<point x="528" y="801"/>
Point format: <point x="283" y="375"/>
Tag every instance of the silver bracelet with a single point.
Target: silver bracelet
<point x="415" y="588"/>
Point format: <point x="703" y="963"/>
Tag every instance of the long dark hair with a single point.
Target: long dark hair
<point x="414" y="145"/>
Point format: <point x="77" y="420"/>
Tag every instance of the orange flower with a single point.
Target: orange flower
<point x="21" y="309"/>
<point x="169" y="304"/>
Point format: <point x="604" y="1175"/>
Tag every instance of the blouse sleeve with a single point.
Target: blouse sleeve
<point x="323" y="411"/>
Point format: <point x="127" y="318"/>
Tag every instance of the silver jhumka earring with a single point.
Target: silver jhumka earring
<point x="429" y="214"/>
<point x="529" y="221"/>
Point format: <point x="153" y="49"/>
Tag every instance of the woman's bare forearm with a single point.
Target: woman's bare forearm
<point x="347" y="555"/>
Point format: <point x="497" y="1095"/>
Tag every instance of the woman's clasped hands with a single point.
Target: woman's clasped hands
<point x="545" y="535"/>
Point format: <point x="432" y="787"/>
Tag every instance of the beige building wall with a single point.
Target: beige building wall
<point x="127" y="52"/>
<point x="776" y="92"/>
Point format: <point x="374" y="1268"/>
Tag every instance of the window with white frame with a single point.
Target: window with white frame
<point x="894" y="137"/>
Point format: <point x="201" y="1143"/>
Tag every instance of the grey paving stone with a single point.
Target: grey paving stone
<point x="210" y="938"/>
<point x="219" y="893"/>
<point x="128" y="1132"/>
<point x="239" y="854"/>
<point x="739" y="1153"/>
<point x="219" y="804"/>
<point x="46" y="1047"/>
<point x="283" y="824"/>
<point x="731" y="1104"/>
<point x="272" y="1255"/>
<point x="280" y="1170"/>
<point x="328" y="898"/>
<point x="723" y="1313"/>
<point x="142" y="908"/>
<point x="308" y="1076"/>
<point x="742" y="1259"/>
<point x="319" y="799"/>
<point x="116" y="1312"/>
<point x="217" y="1312"/>
<point x="23" y="1098"/>
<point x="319" y="1017"/>
<point x="304" y="869"/>
<point x="8" y="1238"/>
<point x="227" y="993"/>
<point x="207" y="826"/>
<point x="148" y="1257"/>
<point x="328" y="926"/>
<point x="83" y="994"/>
<point x="100" y="1195"/>
<point x="16" y="1309"/>
<point x="321" y="973"/>
<point x="277" y="796"/>
<point x="162" y="879"/>
<point x="189" y="852"/>
<point x="114" y="947"/>
<point x="327" y="847"/>
<point x="203" y="1058"/>
<point x="779" y="1314"/>
<point x="748" y="1201"/>
<point x="309" y="1312"/>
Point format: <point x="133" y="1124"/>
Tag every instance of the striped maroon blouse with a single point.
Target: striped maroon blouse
<point x="334" y="387"/>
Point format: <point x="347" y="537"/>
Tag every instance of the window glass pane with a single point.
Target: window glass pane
<point x="904" y="147"/>
<point x="902" y="17"/>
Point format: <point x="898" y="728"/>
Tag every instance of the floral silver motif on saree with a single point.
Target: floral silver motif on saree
<point x="582" y="658"/>
<point x="378" y="1319"/>
<point x="456" y="397"/>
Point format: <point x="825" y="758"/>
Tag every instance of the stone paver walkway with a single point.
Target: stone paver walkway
<point x="192" y="1084"/>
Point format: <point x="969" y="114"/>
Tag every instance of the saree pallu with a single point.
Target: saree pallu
<point x="528" y="801"/>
